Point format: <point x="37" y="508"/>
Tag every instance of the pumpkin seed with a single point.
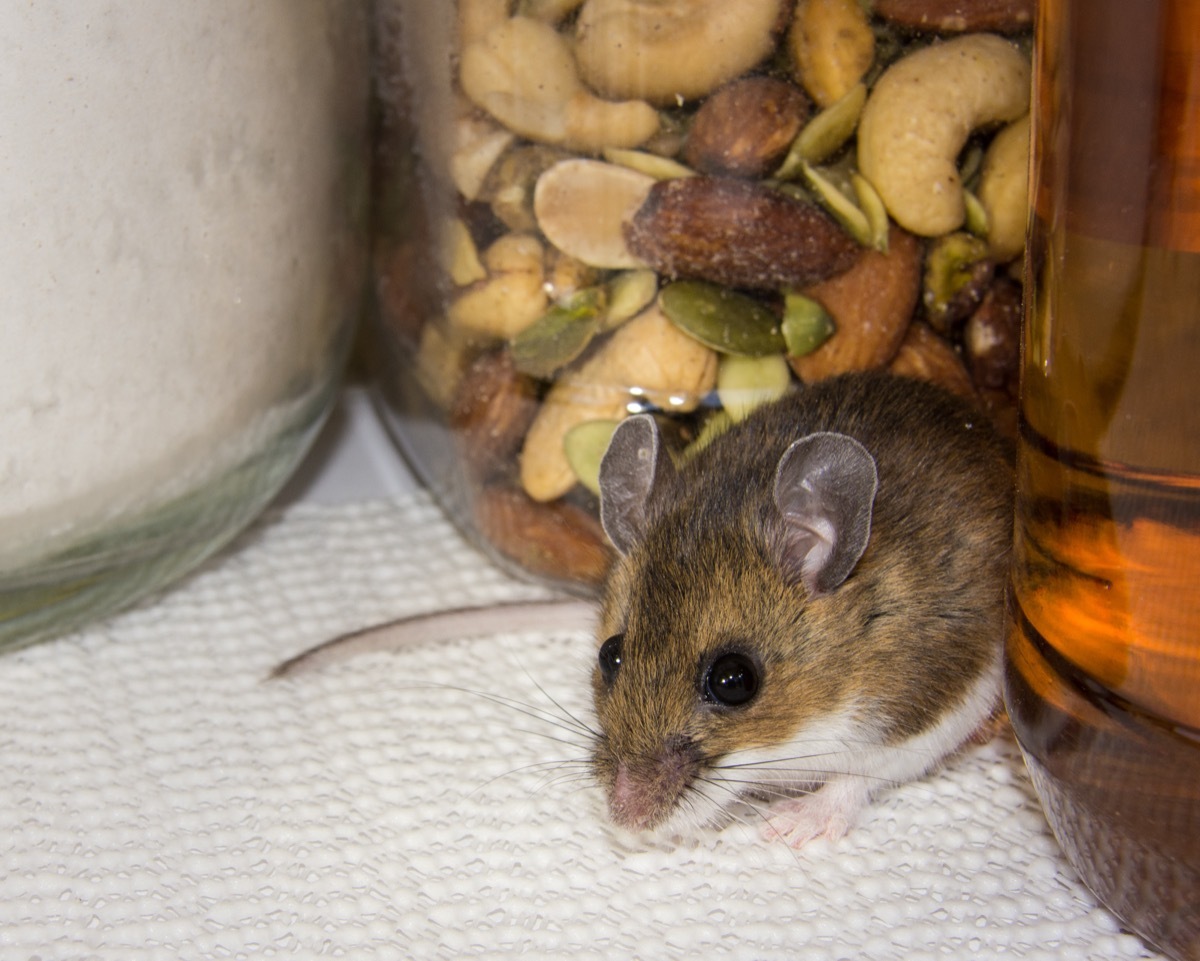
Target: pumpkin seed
<point x="977" y="216"/>
<point x="720" y="318"/>
<point x="656" y="166"/>
<point x="584" y="446"/>
<point x="560" y="335"/>
<point x="629" y="293"/>
<point x="845" y="210"/>
<point x="873" y="208"/>
<point x="806" y="324"/>
<point x="744" y="383"/>
<point x="825" y="134"/>
<point x="713" y="427"/>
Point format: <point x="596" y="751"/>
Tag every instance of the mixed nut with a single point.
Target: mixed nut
<point x="689" y="207"/>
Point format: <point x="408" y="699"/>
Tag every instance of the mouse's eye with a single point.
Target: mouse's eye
<point x="732" y="680"/>
<point x="610" y="657"/>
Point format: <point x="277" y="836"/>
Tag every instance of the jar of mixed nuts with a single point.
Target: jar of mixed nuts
<point x="589" y="208"/>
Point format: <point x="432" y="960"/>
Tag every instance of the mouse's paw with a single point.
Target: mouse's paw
<point x="826" y="813"/>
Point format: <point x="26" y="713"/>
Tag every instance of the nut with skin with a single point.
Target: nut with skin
<point x="919" y="115"/>
<point x="832" y="46"/>
<point x="746" y="128"/>
<point x="665" y="51"/>
<point x="927" y="356"/>
<point x="648" y="354"/>
<point x="992" y="338"/>
<point x="492" y="409"/>
<point x="560" y="540"/>
<point x="1004" y="190"/>
<point x="522" y="73"/>
<point x="737" y="233"/>
<point x="872" y="305"/>
<point x="959" y="16"/>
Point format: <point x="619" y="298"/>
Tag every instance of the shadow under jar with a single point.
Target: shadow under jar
<point x="591" y="208"/>
<point x="184" y="253"/>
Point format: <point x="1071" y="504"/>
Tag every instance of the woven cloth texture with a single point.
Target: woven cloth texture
<point x="159" y="800"/>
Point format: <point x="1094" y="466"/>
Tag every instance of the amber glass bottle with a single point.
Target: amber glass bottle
<point x="1103" y="680"/>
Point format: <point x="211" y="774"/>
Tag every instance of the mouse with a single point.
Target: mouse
<point x="805" y="614"/>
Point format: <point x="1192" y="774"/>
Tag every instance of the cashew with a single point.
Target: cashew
<point x="511" y="298"/>
<point x="920" y="114"/>
<point x="457" y="254"/>
<point x="667" y="50"/>
<point x="833" y="47"/>
<point x="649" y="356"/>
<point x="523" y="74"/>
<point x="477" y="18"/>
<point x="478" y="144"/>
<point x="1004" y="188"/>
<point x="551" y="11"/>
<point x="581" y="206"/>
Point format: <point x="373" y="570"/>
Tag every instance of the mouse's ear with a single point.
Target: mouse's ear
<point x="634" y="464"/>
<point x="825" y="491"/>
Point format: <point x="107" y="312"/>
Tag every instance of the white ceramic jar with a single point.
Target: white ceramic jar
<point x="182" y="238"/>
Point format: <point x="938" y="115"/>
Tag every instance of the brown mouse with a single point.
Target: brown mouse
<point x="814" y="605"/>
<point x="808" y="612"/>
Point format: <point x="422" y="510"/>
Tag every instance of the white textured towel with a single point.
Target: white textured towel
<point x="159" y="801"/>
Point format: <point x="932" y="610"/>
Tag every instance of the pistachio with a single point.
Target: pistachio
<point x="584" y="446"/>
<point x="958" y="271"/>
<point x="726" y="321"/>
<point x="825" y="134"/>
<point x="559" y="335"/>
<point x="744" y="383"/>
<point x="959" y="16"/>
<point x="806" y="324"/>
<point x="871" y="304"/>
<point x="926" y="356"/>
<point x="582" y="207"/>
<point x="746" y="127"/>
<point x="665" y="51"/>
<point x="560" y="541"/>
<point x="832" y="45"/>
<point x="737" y="234"/>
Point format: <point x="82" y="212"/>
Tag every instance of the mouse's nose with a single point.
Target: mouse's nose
<point x="645" y="791"/>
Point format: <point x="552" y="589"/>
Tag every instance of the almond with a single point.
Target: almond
<point x="871" y="304"/>
<point x="492" y="411"/>
<point x="926" y="356"/>
<point x="959" y="16"/>
<point x="558" y="540"/>
<point x="738" y="234"/>
<point x="746" y="128"/>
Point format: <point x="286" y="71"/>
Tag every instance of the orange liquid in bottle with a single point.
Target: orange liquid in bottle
<point x="1103" y="680"/>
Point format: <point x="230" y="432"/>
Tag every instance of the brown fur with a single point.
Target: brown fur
<point x="918" y="620"/>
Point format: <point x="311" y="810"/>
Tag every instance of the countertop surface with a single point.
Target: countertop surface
<point x="161" y="799"/>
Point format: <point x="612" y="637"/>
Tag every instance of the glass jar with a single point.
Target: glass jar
<point x="589" y="208"/>
<point x="183" y="202"/>
<point x="1104" y="654"/>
